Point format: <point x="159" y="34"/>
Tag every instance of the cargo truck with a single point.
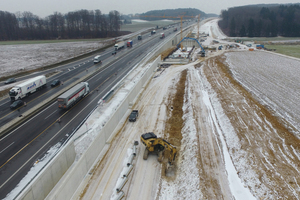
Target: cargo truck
<point x="73" y="95"/>
<point x="162" y="36"/>
<point x="30" y="86"/>
<point x="129" y="43"/>
<point x="119" y="45"/>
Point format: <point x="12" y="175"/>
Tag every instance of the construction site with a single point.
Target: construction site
<point x="209" y="124"/>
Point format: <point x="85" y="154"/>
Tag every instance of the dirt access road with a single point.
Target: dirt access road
<point x="230" y="146"/>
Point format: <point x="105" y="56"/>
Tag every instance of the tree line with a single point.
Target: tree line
<point x="171" y="13"/>
<point x="73" y="25"/>
<point x="261" y="21"/>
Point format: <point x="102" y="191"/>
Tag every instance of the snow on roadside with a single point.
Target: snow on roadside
<point x="38" y="166"/>
<point x="103" y="113"/>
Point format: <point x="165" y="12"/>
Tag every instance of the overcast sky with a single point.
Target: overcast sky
<point x="43" y="8"/>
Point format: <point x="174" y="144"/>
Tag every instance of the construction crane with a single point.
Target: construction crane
<point x="198" y="26"/>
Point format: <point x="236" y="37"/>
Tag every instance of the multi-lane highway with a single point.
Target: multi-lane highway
<point x="22" y="147"/>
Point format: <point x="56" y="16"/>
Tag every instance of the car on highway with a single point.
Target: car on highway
<point x="16" y="104"/>
<point x="55" y="83"/>
<point x="10" y="80"/>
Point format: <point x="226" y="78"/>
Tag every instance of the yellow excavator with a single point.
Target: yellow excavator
<point x="157" y="146"/>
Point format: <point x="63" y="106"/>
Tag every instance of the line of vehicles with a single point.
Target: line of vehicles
<point x="65" y="101"/>
<point x="32" y="85"/>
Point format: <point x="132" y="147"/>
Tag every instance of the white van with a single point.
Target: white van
<point x="97" y="59"/>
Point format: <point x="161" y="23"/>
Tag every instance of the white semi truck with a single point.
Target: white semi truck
<point x="73" y="95"/>
<point x="30" y="86"/>
<point x="119" y="45"/>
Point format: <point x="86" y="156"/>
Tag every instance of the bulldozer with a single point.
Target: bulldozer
<point x="158" y="146"/>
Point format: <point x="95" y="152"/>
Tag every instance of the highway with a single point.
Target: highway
<point x="28" y="143"/>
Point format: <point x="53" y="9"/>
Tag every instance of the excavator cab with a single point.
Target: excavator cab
<point x="157" y="146"/>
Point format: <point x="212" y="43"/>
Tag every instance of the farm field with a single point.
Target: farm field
<point x="289" y="50"/>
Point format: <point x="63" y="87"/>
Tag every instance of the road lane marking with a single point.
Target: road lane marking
<point x="7" y="147"/>
<point x="50" y="114"/>
<point x="27" y="122"/>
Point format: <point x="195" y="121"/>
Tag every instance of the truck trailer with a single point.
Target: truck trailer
<point x="73" y="95"/>
<point x="30" y="86"/>
<point x="119" y="45"/>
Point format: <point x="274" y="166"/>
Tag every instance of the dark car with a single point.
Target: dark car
<point x="133" y="115"/>
<point x="10" y="80"/>
<point x="55" y="83"/>
<point x="16" y="104"/>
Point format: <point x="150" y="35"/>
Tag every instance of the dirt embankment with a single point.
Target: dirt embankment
<point x="266" y="154"/>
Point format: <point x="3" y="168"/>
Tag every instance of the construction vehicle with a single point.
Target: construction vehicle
<point x="158" y="146"/>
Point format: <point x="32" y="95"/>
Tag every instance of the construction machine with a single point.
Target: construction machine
<point x="158" y="146"/>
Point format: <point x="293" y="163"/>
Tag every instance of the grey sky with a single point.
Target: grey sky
<point x="43" y="8"/>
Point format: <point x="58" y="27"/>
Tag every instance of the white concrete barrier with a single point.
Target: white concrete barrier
<point x="50" y="175"/>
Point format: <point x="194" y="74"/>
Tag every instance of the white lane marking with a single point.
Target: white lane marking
<point x="50" y="114"/>
<point x="7" y="147"/>
<point x="28" y="121"/>
<point x="98" y="78"/>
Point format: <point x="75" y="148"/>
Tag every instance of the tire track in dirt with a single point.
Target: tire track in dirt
<point x="213" y="177"/>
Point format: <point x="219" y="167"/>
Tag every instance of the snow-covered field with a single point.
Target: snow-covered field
<point x="17" y="58"/>
<point x="232" y="146"/>
<point x="273" y="79"/>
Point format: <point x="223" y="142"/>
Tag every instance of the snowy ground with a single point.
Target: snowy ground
<point x="17" y="58"/>
<point x="239" y="134"/>
<point x="231" y="146"/>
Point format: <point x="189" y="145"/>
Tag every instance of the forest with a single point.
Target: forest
<point x="261" y="21"/>
<point x="187" y="13"/>
<point x="83" y="24"/>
